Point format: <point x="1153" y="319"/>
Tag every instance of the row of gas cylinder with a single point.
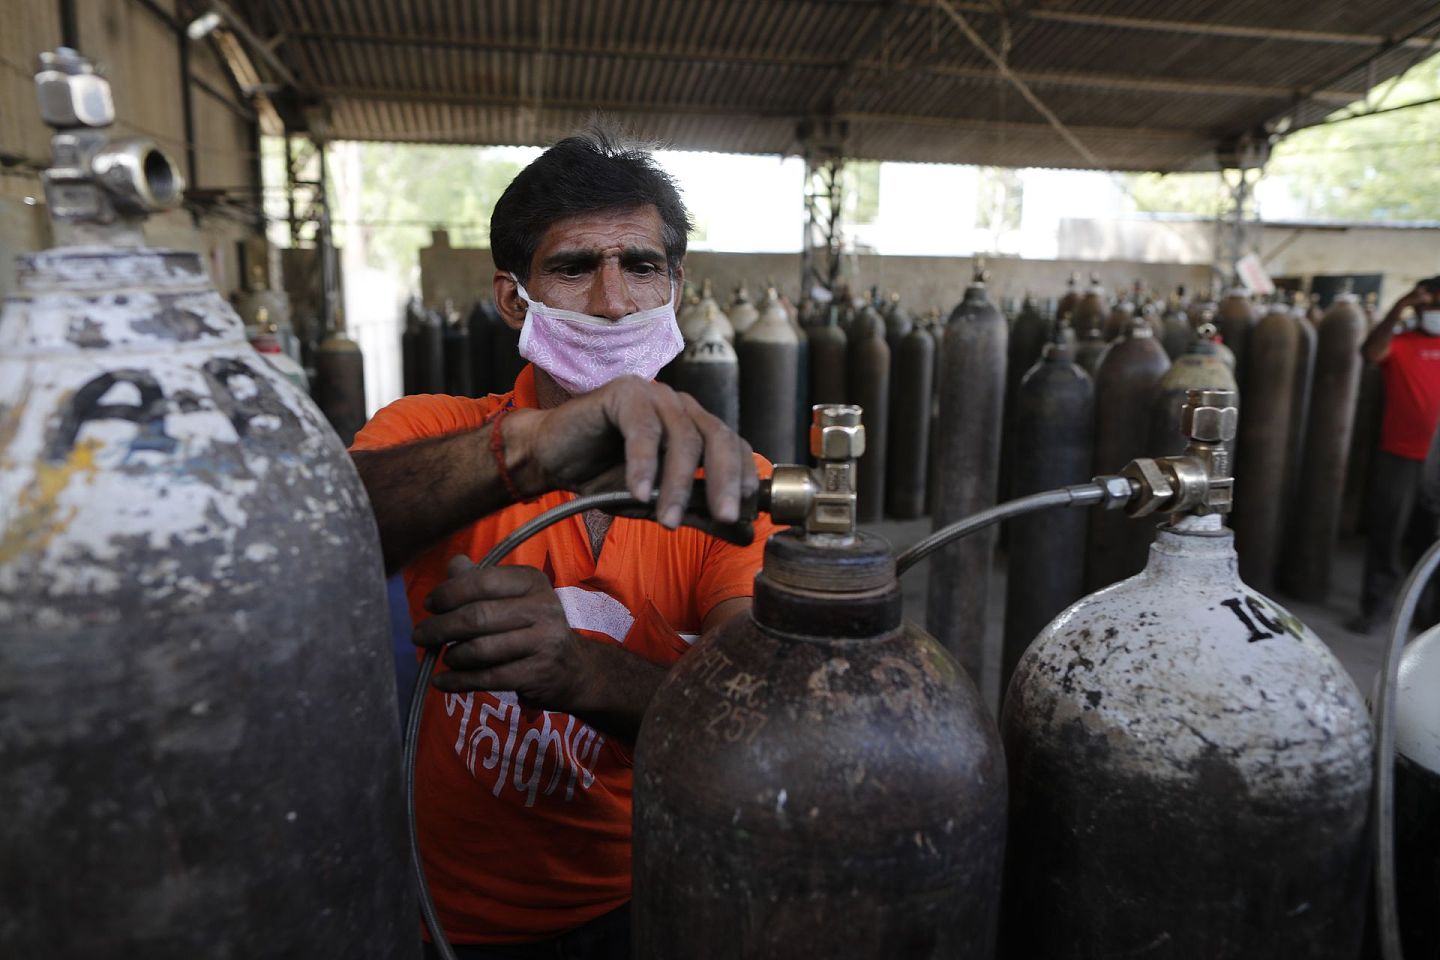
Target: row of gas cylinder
<point x="332" y="370"/>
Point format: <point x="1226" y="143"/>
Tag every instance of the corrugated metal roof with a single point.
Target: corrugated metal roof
<point x="1144" y="85"/>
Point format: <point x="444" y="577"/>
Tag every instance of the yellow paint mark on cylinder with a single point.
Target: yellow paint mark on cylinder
<point x="39" y="518"/>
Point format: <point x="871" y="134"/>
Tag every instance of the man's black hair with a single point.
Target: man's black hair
<point x="590" y="171"/>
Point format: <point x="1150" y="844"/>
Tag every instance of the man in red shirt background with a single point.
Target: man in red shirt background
<point x="1399" y="526"/>
<point x="523" y="780"/>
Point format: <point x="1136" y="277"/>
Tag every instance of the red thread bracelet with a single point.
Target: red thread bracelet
<point x="497" y="450"/>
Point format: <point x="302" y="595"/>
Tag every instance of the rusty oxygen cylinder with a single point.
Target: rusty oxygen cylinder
<point x="1091" y="309"/>
<point x="459" y="374"/>
<point x="1417" y="795"/>
<point x="200" y="749"/>
<point x="867" y="377"/>
<point x="1090" y="350"/>
<point x="1029" y="334"/>
<point x="1235" y="318"/>
<point x="1176" y="333"/>
<point x="1300" y="409"/>
<point x="1190" y="767"/>
<point x="818" y="777"/>
<point x="1055" y="414"/>
<point x="769" y="366"/>
<point x="340" y="382"/>
<point x="827" y="359"/>
<point x="1071" y="299"/>
<point x="709" y="371"/>
<point x="1124" y="390"/>
<point x="1263" y="448"/>
<point x="1199" y="368"/>
<point x="972" y="397"/>
<point x="1119" y="319"/>
<point x="1305" y="568"/>
<point x="909" y="461"/>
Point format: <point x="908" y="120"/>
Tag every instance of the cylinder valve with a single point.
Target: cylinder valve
<point x="821" y="500"/>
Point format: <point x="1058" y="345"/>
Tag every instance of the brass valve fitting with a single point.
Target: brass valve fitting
<point x="1198" y="481"/>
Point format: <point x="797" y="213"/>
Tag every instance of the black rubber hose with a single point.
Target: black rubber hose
<point x="1388" y="915"/>
<point x="497" y="553"/>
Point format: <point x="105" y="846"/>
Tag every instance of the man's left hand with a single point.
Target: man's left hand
<point x="508" y="632"/>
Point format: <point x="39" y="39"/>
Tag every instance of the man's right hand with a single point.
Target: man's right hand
<point x="1419" y="297"/>
<point x="614" y="437"/>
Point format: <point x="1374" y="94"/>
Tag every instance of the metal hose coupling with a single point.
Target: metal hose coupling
<point x="1197" y="481"/>
<point x="821" y="499"/>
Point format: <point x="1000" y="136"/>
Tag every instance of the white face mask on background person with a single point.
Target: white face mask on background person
<point x="1430" y="322"/>
<point x="582" y="353"/>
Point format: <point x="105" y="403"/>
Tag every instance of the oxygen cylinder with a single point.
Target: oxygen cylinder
<point x="1417" y="795"/>
<point x="898" y="324"/>
<point x="742" y="312"/>
<point x="802" y="385"/>
<point x="267" y="344"/>
<point x="1091" y="309"/>
<point x="909" y="461"/>
<point x="688" y="314"/>
<point x="1200" y="368"/>
<point x="827" y="360"/>
<point x="200" y="752"/>
<point x="1089" y="350"/>
<point x="1235" y="318"/>
<point x="410" y="346"/>
<point x="849" y="799"/>
<point x="1299" y="407"/>
<point x="340" y="382"/>
<point x="479" y="322"/>
<point x="696" y="317"/>
<point x="1263" y="446"/>
<point x="505" y="360"/>
<point x="1364" y="445"/>
<point x="1176" y="334"/>
<point x="1119" y="319"/>
<point x="709" y="371"/>
<point x="1305" y="570"/>
<point x="1028" y="335"/>
<point x="867" y="377"/>
<point x="260" y="306"/>
<point x="1190" y="773"/>
<point x="769" y="358"/>
<point x="968" y="459"/>
<point x="1055" y="414"/>
<point x="459" y="379"/>
<point x="1071" y="299"/>
<point x="430" y="365"/>
<point x="1124" y="390"/>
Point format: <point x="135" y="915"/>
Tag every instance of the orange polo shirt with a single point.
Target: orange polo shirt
<point x="524" y="815"/>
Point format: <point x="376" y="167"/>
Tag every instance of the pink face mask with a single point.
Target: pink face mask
<point x="582" y="353"/>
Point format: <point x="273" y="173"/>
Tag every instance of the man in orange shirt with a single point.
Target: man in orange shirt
<point x="523" y="780"/>
<point x="1398" y="525"/>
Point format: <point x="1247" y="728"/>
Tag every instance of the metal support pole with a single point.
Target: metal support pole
<point x="329" y="292"/>
<point x="187" y="119"/>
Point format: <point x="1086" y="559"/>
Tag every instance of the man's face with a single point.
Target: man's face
<point x="607" y="264"/>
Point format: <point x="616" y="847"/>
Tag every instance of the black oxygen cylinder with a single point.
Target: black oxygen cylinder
<point x="1300" y="409"/>
<point x="340" y="384"/>
<point x="1119" y="319"/>
<point x="1124" y="390"/>
<point x="1305" y="568"/>
<point x="802" y="387"/>
<point x="972" y="401"/>
<point x="410" y="347"/>
<point x="1364" y="445"/>
<point x="430" y="365"/>
<point x="768" y="354"/>
<point x="505" y="360"/>
<point x="867" y="377"/>
<point x="827" y="360"/>
<point x="1091" y="309"/>
<point x="1029" y="334"/>
<point x="1089" y="350"/>
<point x="459" y="381"/>
<point x="849" y="801"/>
<point x="1417" y="796"/>
<point x="709" y="371"/>
<point x="479" y="321"/>
<point x="905" y="480"/>
<point x="1262" y="461"/>
<point x="1235" y="318"/>
<point x="898" y="323"/>
<point x="1176" y="333"/>
<point x="1055" y="414"/>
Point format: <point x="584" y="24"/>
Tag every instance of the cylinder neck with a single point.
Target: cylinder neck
<point x="1194" y="546"/>
<point x="820" y="591"/>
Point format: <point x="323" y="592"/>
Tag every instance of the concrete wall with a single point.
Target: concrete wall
<point x="141" y="56"/>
